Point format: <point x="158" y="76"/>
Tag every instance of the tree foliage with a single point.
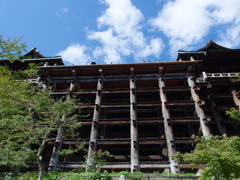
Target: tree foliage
<point x="29" y="117"/>
<point x="234" y="114"/>
<point x="14" y="120"/>
<point x="11" y="49"/>
<point x="219" y="157"/>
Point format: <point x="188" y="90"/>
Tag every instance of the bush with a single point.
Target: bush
<point x="99" y="176"/>
<point x="219" y="156"/>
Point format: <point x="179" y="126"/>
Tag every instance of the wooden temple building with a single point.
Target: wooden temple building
<point x="143" y="113"/>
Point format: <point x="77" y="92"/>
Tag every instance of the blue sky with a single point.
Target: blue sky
<point x="120" y="31"/>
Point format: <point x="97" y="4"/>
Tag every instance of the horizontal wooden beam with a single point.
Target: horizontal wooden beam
<point x="148" y="122"/>
<point x="180" y="103"/>
<point x="122" y="165"/>
<point x="126" y="141"/>
<point x="113" y="122"/>
<point x="142" y="157"/>
<point x="84" y="92"/>
<point x="218" y="96"/>
<point x="176" y="89"/>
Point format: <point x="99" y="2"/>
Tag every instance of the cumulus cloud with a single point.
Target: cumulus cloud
<point x="187" y="22"/>
<point x="121" y="34"/>
<point x="75" y="54"/>
<point x="231" y="37"/>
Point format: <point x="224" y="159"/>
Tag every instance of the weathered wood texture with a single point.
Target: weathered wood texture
<point x="53" y="163"/>
<point x="217" y="117"/>
<point x="200" y="113"/>
<point x="95" y="123"/>
<point x="134" y="127"/>
<point x="174" y="166"/>
<point x="135" y="103"/>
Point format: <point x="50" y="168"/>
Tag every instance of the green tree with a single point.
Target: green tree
<point x="14" y="120"/>
<point x="30" y="117"/>
<point x="234" y="114"/>
<point x="11" y="49"/>
<point x="94" y="170"/>
<point x="50" y="116"/>
<point x="219" y="157"/>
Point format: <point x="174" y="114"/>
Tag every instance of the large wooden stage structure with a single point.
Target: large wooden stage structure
<point x="143" y="113"/>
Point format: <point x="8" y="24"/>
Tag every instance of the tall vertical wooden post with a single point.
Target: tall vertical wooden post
<point x="190" y="126"/>
<point x="171" y="147"/>
<point x="94" y="131"/>
<point x="59" y="139"/>
<point x="217" y="117"/>
<point x="200" y="113"/>
<point x="57" y="148"/>
<point x="161" y="134"/>
<point x="134" y="127"/>
<point x="237" y="103"/>
<point x="102" y="130"/>
<point x="235" y="98"/>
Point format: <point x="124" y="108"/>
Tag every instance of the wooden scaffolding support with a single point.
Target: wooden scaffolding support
<point x="200" y="113"/>
<point x="53" y="163"/>
<point x="95" y="123"/>
<point x="217" y="117"/>
<point x="134" y="127"/>
<point x="171" y="146"/>
<point x="143" y="115"/>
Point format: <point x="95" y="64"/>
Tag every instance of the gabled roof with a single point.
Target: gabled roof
<point x="212" y="46"/>
<point x="34" y="53"/>
<point x="35" y="57"/>
<point x="201" y="54"/>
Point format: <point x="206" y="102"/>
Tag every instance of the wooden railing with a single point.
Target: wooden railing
<point x="219" y="75"/>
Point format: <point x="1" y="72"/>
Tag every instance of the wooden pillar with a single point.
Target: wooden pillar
<point x="48" y="80"/>
<point x="190" y="126"/>
<point x="237" y="103"/>
<point x="171" y="146"/>
<point x="235" y="98"/>
<point x="59" y="140"/>
<point x="102" y="129"/>
<point x="217" y="117"/>
<point x="57" y="148"/>
<point x="200" y="113"/>
<point x="94" y="131"/>
<point x="134" y="127"/>
<point x="161" y="134"/>
<point x="44" y="87"/>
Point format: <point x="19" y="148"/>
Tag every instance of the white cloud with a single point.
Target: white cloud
<point x="58" y="15"/>
<point x="75" y="54"/>
<point x="154" y="48"/>
<point x="64" y="10"/>
<point x="121" y="34"/>
<point x="187" y="22"/>
<point x="68" y="28"/>
<point x="231" y="37"/>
